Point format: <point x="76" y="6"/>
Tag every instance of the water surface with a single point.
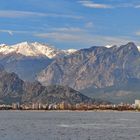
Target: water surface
<point x="20" y="125"/>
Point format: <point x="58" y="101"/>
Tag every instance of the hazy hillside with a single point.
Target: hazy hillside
<point x="98" y="67"/>
<point x="13" y="89"/>
<point x="100" y="72"/>
<point x="29" y="59"/>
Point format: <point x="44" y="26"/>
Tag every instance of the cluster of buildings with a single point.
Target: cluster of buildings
<point x="68" y="106"/>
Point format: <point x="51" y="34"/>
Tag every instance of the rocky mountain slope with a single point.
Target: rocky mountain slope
<point x="97" y="68"/>
<point x="104" y="72"/>
<point x="13" y="89"/>
<point x="28" y="59"/>
<point x="124" y="92"/>
<point x="26" y="67"/>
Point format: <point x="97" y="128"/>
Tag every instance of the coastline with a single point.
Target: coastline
<point x="107" y="111"/>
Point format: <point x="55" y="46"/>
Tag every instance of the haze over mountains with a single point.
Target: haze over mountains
<point x="13" y="89"/>
<point x="97" y="66"/>
<point x="28" y="59"/>
<point x="100" y="71"/>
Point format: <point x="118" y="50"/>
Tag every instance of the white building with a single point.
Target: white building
<point x="137" y="103"/>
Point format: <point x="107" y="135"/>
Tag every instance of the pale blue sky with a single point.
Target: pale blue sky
<point x="70" y="23"/>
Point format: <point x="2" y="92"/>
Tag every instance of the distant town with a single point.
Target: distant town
<point x="67" y="106"/>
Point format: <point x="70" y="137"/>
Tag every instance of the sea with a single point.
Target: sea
<point x="69" y="125"/>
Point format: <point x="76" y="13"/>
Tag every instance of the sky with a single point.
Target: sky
<point x="70" y="23"/>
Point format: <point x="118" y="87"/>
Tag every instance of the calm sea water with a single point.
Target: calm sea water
<point x="69" y="125"/>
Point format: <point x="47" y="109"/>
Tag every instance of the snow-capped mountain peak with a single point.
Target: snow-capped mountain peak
<point x="69" y="51"/>
<point x="138" y="48"/>
<point x="108" y="46"/>
<point x="34" y="49"/>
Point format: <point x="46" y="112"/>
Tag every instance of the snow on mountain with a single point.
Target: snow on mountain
<point x="37" y="49"/>
<point x="138" y="48"/>
<point x="34" y="49"/>
<point x="69" y="51"/>
<point x="108" y="46"/>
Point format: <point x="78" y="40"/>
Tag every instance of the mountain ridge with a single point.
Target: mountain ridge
<point x="97" y="67"/>
<point x="91" y="62"/>
<point x="13" y="89"/>
<point x="34" y="49"/>
<point x="28" y="59"/>
<point x="103" y="64"/>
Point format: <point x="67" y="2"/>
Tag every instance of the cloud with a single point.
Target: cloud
<point x="89" y="25"/>
<point x="68" y="29"/>
<point x="90" y="4"/>
<point x="64" y="37"/>
<point x="137" y="6"/>
<point x="12" y="32"/>
<point x="128" y="5"/>
<point x="65" y="34"/>
<point x="138" y="33"/>
<point x="7" y="31"/>
<point x="27" y="14"/>
<point x="117" y="4"/>
<point x="18" y="14"/>
<point x="85" y="38"/>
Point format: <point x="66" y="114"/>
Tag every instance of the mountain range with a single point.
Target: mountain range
<point x="92" y="69"/>
<point x="28" y="59"/>
<point x="34" y="49"/>
<point x="104" y="72"/>
<point x="13" y="89"/>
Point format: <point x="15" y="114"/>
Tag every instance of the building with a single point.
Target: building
<point x="15" y="106"/>
<point x="137" y="103"/>
<point x="63" y="106"/>
<point x="35" y="106"/>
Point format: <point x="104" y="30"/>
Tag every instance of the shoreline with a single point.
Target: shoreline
<point x="107" y="111"/>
